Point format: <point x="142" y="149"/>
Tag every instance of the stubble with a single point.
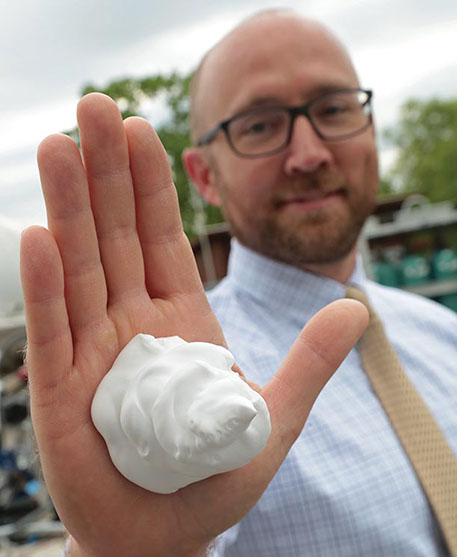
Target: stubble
<point x="320" y="236"/>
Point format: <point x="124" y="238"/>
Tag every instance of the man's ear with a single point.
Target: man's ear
<point x="201" y="175"/>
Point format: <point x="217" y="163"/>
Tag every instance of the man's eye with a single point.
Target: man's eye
<point x="266" y="125"/>
<point x="258" y="127"/>
<point x="334" y="110"/>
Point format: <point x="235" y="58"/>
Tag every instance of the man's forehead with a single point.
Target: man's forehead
<point x="243" y="66"/>
<point x="257" y="33"/>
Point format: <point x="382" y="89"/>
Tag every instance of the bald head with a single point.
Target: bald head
<point x="246" y="44"/>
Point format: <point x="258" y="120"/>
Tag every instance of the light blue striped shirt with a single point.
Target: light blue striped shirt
<point x="346" y="488"/>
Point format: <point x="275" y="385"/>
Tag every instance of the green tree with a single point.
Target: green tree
<point x="426" y="139"/>
<point x="385" y="189"/>
<point x="131" y="96"/>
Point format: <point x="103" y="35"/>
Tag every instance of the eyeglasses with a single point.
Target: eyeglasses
<point x="266" y="130"/>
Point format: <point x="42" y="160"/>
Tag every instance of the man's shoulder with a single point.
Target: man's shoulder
<point x="244" y="325"/>
<point x="230" y="304"/>
<point x="222" y="291"/>
<point x="404" y="305"/>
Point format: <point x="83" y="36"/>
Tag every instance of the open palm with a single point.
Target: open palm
<point x="115" y="262"/>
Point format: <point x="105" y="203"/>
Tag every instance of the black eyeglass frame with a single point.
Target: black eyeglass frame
<point x="293" y="111"/>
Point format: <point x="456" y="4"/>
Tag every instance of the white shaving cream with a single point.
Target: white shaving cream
<point x="173" y="412"/>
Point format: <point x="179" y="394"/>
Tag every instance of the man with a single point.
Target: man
<point x="295" y="185"/>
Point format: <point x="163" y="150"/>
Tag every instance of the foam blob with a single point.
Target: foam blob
<point x="173" y="412"/>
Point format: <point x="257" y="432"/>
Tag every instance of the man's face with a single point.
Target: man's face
<point x="306" y="204"/>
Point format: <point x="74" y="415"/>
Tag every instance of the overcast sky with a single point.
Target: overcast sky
<point x="50" y="49"/>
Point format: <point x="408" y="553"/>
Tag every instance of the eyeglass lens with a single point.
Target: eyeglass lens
<point x="334" y="116"/>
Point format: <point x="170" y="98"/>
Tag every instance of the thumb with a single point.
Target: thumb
<point x="317" y="352"/>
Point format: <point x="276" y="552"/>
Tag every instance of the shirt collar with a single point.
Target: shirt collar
<point x="277" y="285"/>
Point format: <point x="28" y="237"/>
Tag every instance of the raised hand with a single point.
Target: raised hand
<point x="115" y="262"/>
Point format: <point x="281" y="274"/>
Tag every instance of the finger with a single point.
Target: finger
<point x="315" y="355"/>
<point x="71" y="222"/>
<point x="50" y="347"/>
<point x="169" y="261"/>
<point x="105" y="152"/>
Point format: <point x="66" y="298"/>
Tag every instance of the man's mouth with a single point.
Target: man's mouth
<point x="310" y="199"/>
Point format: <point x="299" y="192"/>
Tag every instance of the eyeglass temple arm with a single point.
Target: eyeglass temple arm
<point x="207" y="137"/>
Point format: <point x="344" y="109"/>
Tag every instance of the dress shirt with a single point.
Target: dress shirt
<point x="346" y="488"/>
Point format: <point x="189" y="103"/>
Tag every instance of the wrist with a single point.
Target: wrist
<point x="73" y="549"/>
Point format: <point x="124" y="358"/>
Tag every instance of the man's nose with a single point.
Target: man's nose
<point x="306" y="151"/>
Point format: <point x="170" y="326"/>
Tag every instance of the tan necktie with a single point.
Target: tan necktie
<point x="424" y="443"/>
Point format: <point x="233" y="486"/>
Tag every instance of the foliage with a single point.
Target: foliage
<point x="131" y="96"/>
<point x="426" y="139"/>
<point x="385" y="189"/>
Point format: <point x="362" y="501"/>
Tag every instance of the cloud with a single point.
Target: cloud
<point x="381" y="22"/>
<point x="53" y="47"/>
<point x="23" y="203"/>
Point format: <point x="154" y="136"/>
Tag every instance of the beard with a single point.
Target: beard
<point x="320" y="236"/>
